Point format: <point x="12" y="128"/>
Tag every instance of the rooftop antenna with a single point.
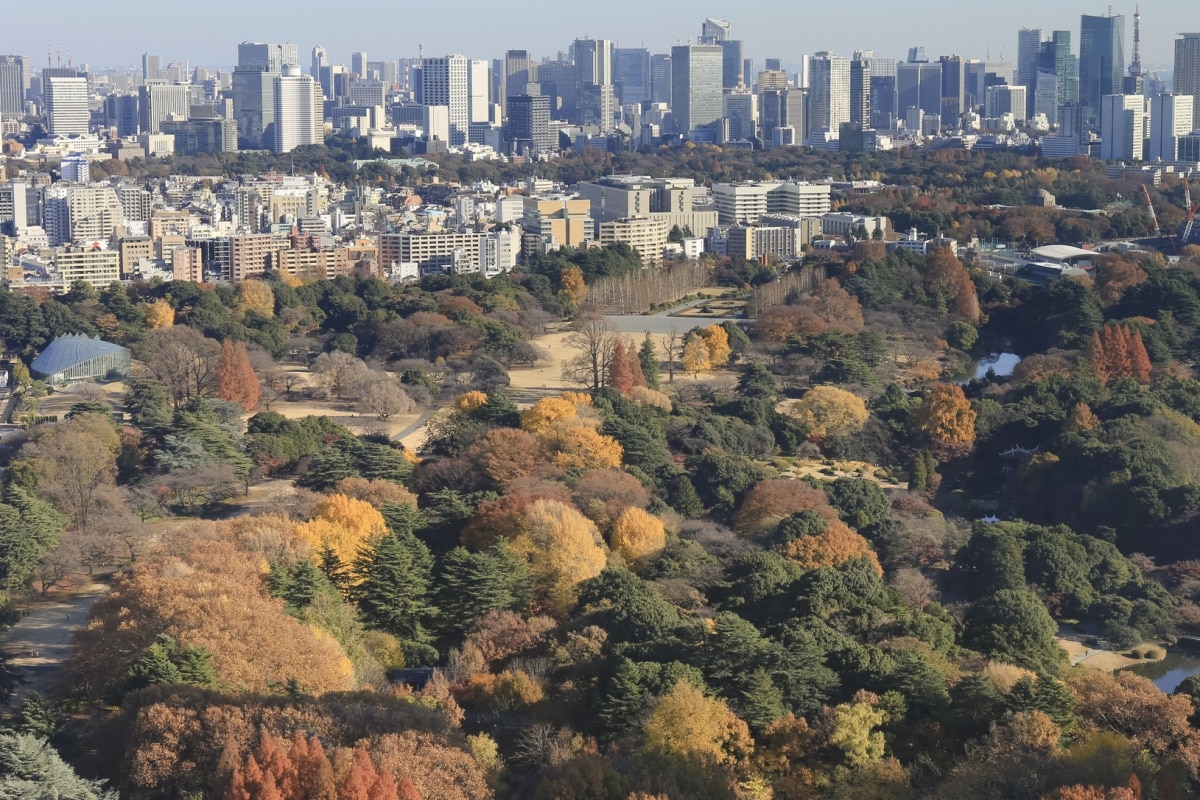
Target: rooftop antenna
<point x="1135" y="66"/>
<point x="49" y="60"/>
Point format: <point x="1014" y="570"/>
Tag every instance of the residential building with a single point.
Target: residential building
<point x="860" y="88"/>
<point x="98" y="267"/>
<point x="298" y="117"/>
<point x="250" y="255"/>
<point x="647" y="235"/>
<point x="828" y="93"/>
<point x="746" y="203"/>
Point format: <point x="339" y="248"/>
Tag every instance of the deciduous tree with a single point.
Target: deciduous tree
<point x="563" y="549"/>
<point x="946" y="418"/>
<point x="828" y="411"/>
<point x="638" y="536"/>
<point x="236" y="381"/>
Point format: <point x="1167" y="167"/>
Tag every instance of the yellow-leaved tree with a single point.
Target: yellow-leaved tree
<point x="688" y="725"/>
<point x="828" y="411"/>
<point x="344" y="524"/>
<point x="716" y="342"/>
<point x="255" y="295"/>
<point x="572" y="288"/>
<point x="159" y="314"/>
<point x="562" y="547"/>
<point x="580" y="448"/>
<point x="946" y="418"/>
<point x="637" y="535"/>
<point x="695" y="356"/>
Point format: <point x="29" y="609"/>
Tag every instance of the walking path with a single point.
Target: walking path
<point x="46" y="630"/>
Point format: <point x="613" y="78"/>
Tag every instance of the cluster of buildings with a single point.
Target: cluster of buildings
<point x="596" y="93"/>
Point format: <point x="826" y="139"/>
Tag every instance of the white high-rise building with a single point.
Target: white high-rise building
<point x="828" y="92"/>
<point x="479" y="81"/>
<point x="445" y="82"/>
<point x="67" y="106"/>
<point x="1122" y="127"/>
<point x="1170" y="118"/>
<point x="1187" y="71"/>
<point x="298" y="111"/>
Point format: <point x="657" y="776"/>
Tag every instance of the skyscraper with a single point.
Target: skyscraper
<point x="297" y="118"/>
<point x="697" y="76"/>
<point x="259" y="63"/>
<point x="596" y="100"/>
<point x="479" y="91"/>
<point x="883" y="92"/>
<point x="714" y="31"/>
<point x="159" y="102"/>
<point x="1057" y="59"/>
<point x="519" y="71"/>
<point x="781" y="107"/>
<point x="358" y="64"/>
<point x="918" y="85"/>
<point x="1187" y="71"/>
<point x="444" y="82"/>
<point x="1101" y="62"/>
<point x="631" y="74"/>
<point x="1170" y="118"/>
<point x="529" y="124"/>
<point x="12" y="85"/>
<point x="660" y="78"/>
<point x="732" y="76"/>
<point x="1122" y="127"/>
<point x="320" y="58"/>
<point x="860" y="88"/>
<point x="151" y="66"/>
<point x="954" y="89"/>
<point x="828" y="93"/>
<point x="67" y="105"/>
<point x="1029" y="53"/>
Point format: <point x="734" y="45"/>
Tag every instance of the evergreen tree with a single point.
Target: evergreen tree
<point x="31" y="769"/>
<point x="334" y="570"/>
<point x="625" y="699"/>
<point x="682" y="496"/>
<point x="402" y="518"/>
<point x="394" y="572"/>
<point x="648" y="358"/>
<point x="760" y="700"/>
<point x="472" y="584"/>
<point x="306" y="582"/>
<point x="167" y="662"/>
<point x="38" y="715"/>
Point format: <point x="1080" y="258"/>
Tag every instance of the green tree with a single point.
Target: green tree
<point x="472" y="584"/>
<point x="394" y="572"/>
<point x="760" y="701"/>
<point x="31" y="769"/>
<point x="37" y="715"/>
<point x="168" y="662"/>
<point x="648" y="356"/>
<point x="1014" y="625"/>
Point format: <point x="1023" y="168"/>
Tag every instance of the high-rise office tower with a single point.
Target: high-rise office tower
<point x="479" y="91"/>
<point x="596" y="101"/>
<point x="883" y="93"/>
<point x="445" y="82"/>
<point x="1029" y="54"/>
<point x="1101" y="62"/>
<point x="1170" y="118"/>
<point x="1122" y="127"/>
<point x="780" y="107"/>
<point x="12" y="85"/>
<point x="697" y="76"/>
<point x="954" y="84"/>
<point x="828" y="93"/>
<point x="386" y="72"/>
<point x="732" y="76"/>
<point x="660" y="78"/>
<point x="320" y="58"/>
<point x="714" y="31"/>
<point x="151" y="66"/>
<point x="919" y="86"/>
<point x="741" y="112"/>
<point x="631" y="74"/>
<point x="860" y="88"/>
<point x="519" y="71"/>
<point x="297" y="110"/>
<point x="67" y="105"/>
<point x="259" y="63"/>
<point x="1187" y="71"/>
<point x="1056" y="59"/>
<point x="529" y="124"/>
<point x="121" y="113"/>
<point x="159" y="102"/>
<point x="358" y="64"/>
<point x="1004" y="99"/>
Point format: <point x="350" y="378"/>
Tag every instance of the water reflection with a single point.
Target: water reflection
<point x="1170" y="672"/>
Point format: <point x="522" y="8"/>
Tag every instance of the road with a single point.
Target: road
<point x="662" y="322"/>
<point x="47" y="631"/>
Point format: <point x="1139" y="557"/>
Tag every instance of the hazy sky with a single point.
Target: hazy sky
<point x="116" y="34"/>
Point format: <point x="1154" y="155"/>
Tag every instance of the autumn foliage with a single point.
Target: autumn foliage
<point x="637" y="535"/>
<point x="303" y="771"/>
<point x="946" y="418"/>
<point x="833" y="547"/>
<point x="769" y="501"/>
<point x="236" y="381"/>
<point x="1116" y="351"/>
<point x="828" y="411"/>
<point x="344" y="524"/>
<point x="563" y="549"/>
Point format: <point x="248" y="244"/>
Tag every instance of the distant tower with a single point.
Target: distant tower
<point x="1135" y="66"/>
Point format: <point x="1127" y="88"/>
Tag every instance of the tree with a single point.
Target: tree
<point x="182" y="359"/>
<point x="256" y="297"/>
<point x="563" y="549"/>
<point x="32" y="770"/>
<point x="828" y="411"/>
<point x="696" y="357"/>
<point x="716" y="342"/>
<point x="855" y="735"/>
<point x="687" y="725"/>
<point x="648" y="359"/>
<point x="580" y="448"/>
<point x="592" y="343"/>
<point x="572" y="288"/>
<point x="1014" y="625"/>
<point x="506" y="454"/>
<point x="343" y="524"/>
<point x="946" y="419"/>
<point x="236" y="381"/>
<point x="80" y="468"/>
<point x="474" y="584"/>
<point x="159" y="314"/>
<point x="673" y="349"/>
<point x="637" y="536"/>
<point x="340" y="373"/>
<point x="620" y="374"/>
<point x="394" y="571"/>
<point x="383" y="398"/>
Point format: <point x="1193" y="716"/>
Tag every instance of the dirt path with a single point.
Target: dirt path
<point x="47" y="631"/>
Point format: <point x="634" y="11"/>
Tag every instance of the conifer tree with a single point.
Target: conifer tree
<point x="760" y="700"/>
<point x="648" y="360"/>
<point x="394" y="574"/>
<point x="620" y="375"/>
<point x="1139" y="359"/>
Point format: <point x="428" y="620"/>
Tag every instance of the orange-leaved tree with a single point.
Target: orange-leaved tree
<point x="236" y="381"/>
<point x="946" y="418"/>
<point x="637" y="535"/>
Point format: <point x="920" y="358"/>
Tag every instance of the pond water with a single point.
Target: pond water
<point x="1002" y="364"/>
<point x="1170" y="672"/>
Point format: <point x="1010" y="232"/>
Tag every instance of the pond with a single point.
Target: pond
<point x="1002" y="364"/>
<point x="1170" y="672"/>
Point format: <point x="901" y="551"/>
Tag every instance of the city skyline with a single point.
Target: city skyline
<point x="767" y="30"/>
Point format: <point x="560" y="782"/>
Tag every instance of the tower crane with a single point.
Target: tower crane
<point x="1153" y="216"/>
<point x="1186" y="236"/>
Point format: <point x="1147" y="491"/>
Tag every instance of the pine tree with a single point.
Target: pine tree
<point x="624" y="700"/>
<point x="620" y="375"/>
<point x="760" y="700"/>
<point x="335" y="571"/>
<point x="473" y="584"/>
<point x="306" y="583"/>
<point x="918" y="479"/>
<point x="394" y="572"/>
<point x="38" y="716"/>
<point x="648" y="359"/>
<point x="402" y="518"/>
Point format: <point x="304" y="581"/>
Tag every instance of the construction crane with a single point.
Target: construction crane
<point x="1186" y="236"/>
<point x="1153" y="216"/>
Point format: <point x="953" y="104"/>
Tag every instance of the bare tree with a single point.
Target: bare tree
<point x="291" y="381"/>
<point x="673" y="349"/>
<point x="339" y="372"/>
<point x="383" y="398"/>
<point x="592" y="342"/>
<point x="183" y="360"/>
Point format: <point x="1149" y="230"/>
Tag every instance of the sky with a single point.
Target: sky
<point x="207" y="33"/>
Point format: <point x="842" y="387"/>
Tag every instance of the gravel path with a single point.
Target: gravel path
<point x="47" y="631"/>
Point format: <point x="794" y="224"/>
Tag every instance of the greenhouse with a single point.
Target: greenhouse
<point x="75" y="356"/>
